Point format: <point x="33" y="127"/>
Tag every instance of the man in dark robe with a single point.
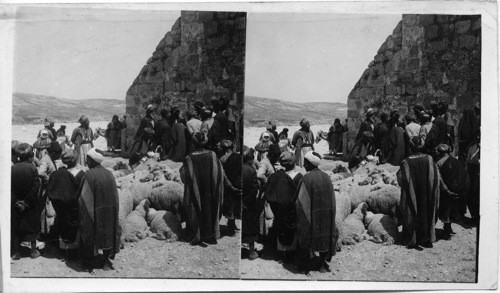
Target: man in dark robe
<point x="203" y="179"/>
<point x="26" y="206"/>
<point x="419" y="179"/>
<point x="250" y="211"/>
<point x="381" y="138"/>
<point x="179" y="136"/>
<point x="98" y="214"/>
<point x="232" y="163"/>
<point x="454" y="186"/>
<point x="315" y="215"/>
<point x="144" y="138"/>
<point x="162" y="130"/>
<point x="221" y="128"/>
<point x="62" y="191"/>
<point x="473" y="169"/>
<point x="468" y="129"/>
<point x="366" y="125"/>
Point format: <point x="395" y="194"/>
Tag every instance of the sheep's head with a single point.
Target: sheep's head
<point x="368" y="218"/>
<point x="151" y="214"/>
<point x="360" y="211"/>
<point x="143" y="208"/>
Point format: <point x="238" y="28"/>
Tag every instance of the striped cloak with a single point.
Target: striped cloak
<point x="98" y="213"/>
<point x="315" y="213"/>
<point x="419" y="181"/>
<point x="202" y="175"/>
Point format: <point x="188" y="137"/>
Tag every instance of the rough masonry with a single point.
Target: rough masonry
<point x="202" y="56"/>
<point x="427" y="57"/>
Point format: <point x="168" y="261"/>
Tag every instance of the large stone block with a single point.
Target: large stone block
<point x="462" y="26"/>
<point x="205" y="16"/>
<point x="477" y="24"/>
<point x="431" y="32"/>
<point x="189" y="16"/>
<point x="467" y="41"/>
<point x="131" y="110"/>
<point x="241" y="23"/>
<point x="211" y="28"/>
<point x="410" y="20"/>
<point x="442" y="18"/>
<point x="425" y="19"/>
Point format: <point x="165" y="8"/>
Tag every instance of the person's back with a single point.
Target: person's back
<point x="441" y="130"/>
<point x="412" y="129"/>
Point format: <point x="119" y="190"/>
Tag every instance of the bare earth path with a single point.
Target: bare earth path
<point x="148" y="258"/>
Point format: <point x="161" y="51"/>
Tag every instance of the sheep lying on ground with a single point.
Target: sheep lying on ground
<point x="126" y="205"/>
<point x="342" y="206"/>
<point x="135" y="226"/>
<point x="384" y="200"/>
<point x="140" y="191"/>
<point x="165" y="225"/>
<point x="167" y="197"/>
<point x="382" y="228"/>
<point x="353" y="228"/>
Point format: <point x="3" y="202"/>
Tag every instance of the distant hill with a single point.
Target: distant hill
<point x="32" y="109"/>
<point x="258" y="111"/>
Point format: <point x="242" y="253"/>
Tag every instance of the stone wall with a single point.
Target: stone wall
<point x="202" y="56"/>
<point x="427" y="57"/>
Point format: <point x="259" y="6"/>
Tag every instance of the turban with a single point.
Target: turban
<point x="42" y="143"/>
<point x="443" y="148"/>
<point x="150" y="108"/>
<point x="265" y="135"/>
<point x="83" y="119"/>
<point x="97" y="157"/>
<point x="69" y="156"/>
<point x="54" y="147"/>
<point x="44" y="133"/>
<point x="312" y="158"/>
<point x="369" y="112"/>
<point x="287" y="158"/>
<point x="248" y="153"/>
<point x="226" y="144"/>
<point x="303" y="122"/>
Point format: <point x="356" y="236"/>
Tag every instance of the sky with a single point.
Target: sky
<point x="95" y="53"/>
<point x="84" y="53"/>
<point x="311" y="57"/>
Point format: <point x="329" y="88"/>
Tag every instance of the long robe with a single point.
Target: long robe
<point x="366" y="125"/>
<point x="25" y="187"/>
<point x="468" y="130"/>
<point x="83" y="140"/>
<point x="315" y="213"/>
<point x="162" y="130"/>
<point x="202" y="175"/>
<point x="113" y="134"/>
<point x="420" y="192"/>
<point x="232" y="165"/>
<point x="455" y="177"/>
<point x="336" y="134"/>
<point x="250" y="211"/>
<point x="303" y="141"/>
<point x="280" y="192"/>
<point x="397" y="146"/>
<point x="381" y="140"/>
<point x="473" y="169"/>
<point x="62" y="191"/>
<point x="98" y="207"/>
<point x="219" y="130"/>
<point x="178" y="142"/>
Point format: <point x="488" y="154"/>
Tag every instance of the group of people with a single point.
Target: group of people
<point x="67" y="175"/>
<point x="173" y="134"/>
<point x="303" y="206"/>
<point x="441" y="184"/>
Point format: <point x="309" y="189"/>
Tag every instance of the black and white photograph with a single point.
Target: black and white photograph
<point x="142" y="177"/>
<point x="362" y="147"/>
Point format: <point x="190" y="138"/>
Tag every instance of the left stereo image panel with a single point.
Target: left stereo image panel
<point x="126" y="143"/>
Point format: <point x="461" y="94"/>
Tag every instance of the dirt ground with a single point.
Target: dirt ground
<point x="148" y="258"/>
<point x="451" y="260"/>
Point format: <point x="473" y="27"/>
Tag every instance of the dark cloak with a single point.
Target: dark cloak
<point x="250" y="212"/>
<point x="397" y="146"/>
<point x="419" y="180"/>
<point x="232" y="168"/>
<point x="315" y="213"/>
<point x="178" y="142"/>
<point x="62" y="191"/>
<point x="202" y="175"/>
<point x="98" y="213"/>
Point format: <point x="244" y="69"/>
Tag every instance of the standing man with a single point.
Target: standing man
<point x="98" y="214"/>
<point x="162" y="130"/>
<point x="315" y="212"/>
<point x="303" y="140"/>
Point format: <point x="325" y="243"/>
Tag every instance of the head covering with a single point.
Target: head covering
<point x="443" y="148"/>
<point x="150" y="108"/>
<point x="287" y="158"/>
<point x="174" y="113"/>
<point x="24" y="151"/>
<point x="69" y="156"/>
<point x="313" y="158"/>
<point x="54" y="147"/>
<point x="44" y="133"/>
<point x="304" y="122"/>
<point x="46" y="123"/>
<point x="285" y="130"/>
<point x="265" y="135"/>
<point x="198" y="105"/>
<point x="63" y="126"/>
<point x="42" y="143"/>
<point x="226" y="144"/>
<point x="199" y="138"/>
<point x="83" y="119"/>
<point x="97" y="157"/>
<point x="269" y="127"/>
<point x="369" y="112"/>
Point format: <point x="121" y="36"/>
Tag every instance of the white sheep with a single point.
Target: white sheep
<point x="165" y="225"/>
<point x="384" y="200"/>
<point x="167" y="197"/>
<point x="135" y="226"/>
<point x="140" y="191"/>
<point x="126" y="204"/>
<point x="352" y="229"/>
<point x="381" y="228"/>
